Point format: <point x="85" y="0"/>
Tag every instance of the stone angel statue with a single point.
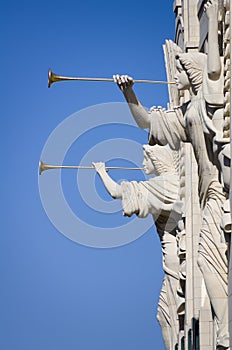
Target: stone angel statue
<point x="158" y="196"/>
<point x="200" y="122"/>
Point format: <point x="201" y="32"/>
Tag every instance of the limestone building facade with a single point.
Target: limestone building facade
<point x="189" y="152"/>
<point x="199" y="329"/>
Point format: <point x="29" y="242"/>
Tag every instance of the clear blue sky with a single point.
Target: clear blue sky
<point x="55" y="293"/>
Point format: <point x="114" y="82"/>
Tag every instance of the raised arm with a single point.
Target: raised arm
<point x="112" y="187"/>
<point x="139" y="113"/>
<point x="213" y="59"/>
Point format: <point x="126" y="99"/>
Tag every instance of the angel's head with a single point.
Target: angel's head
<point x="160" y="159"/>
<point x="190" y="67"/>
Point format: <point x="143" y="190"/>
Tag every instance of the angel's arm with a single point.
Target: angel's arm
<point x="112" y="187"/>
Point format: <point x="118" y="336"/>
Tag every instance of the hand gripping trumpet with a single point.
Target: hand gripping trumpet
<point x="43" y="167"/>
<point x="54" y="78"/>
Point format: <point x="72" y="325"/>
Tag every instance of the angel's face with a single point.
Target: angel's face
<point x="148" y="165"/>
<point x="181" y="77"/>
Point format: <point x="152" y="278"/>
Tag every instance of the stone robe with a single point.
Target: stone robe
<point x="192" y="123"/>
<point x="159" y="197"/>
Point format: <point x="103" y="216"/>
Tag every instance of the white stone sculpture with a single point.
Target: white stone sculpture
<point x="158" y="196"/>
<point x="199" y="121"/>
<point x="169" y="330"/>
<point x="225" y="163"/>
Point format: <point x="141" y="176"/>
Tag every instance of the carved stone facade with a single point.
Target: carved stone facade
<point x="200" y="326"/>
<point x="189" y="198"/>
<point x="193" y="309"/>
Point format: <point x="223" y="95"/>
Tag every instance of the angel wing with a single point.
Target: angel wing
<point x="171" y="49"/>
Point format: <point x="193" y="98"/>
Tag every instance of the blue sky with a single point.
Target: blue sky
<point x="55" y="293"/>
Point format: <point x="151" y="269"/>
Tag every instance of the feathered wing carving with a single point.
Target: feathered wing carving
<point x="170" y="51"/>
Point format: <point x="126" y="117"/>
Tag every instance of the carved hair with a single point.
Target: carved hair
<point x="193" y="63"/>
<point x="163" y="158"/>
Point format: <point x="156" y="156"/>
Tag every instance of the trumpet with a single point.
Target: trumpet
<point x="54" y="78"/>
<point x="43" y="167"/>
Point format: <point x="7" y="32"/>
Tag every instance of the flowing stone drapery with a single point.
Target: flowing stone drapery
<point x="189" y="126"/>
<point x="159" y="197"/>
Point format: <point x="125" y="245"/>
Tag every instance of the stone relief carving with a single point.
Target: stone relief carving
<point x="170" y="51"/>
<point x="197" y="120"/>
<point x="201" y="122"/>
<point x="158" y="196"/>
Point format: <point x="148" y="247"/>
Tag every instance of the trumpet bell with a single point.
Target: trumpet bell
<point x="51" y="78"/>
<point x="41" y="167"/>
